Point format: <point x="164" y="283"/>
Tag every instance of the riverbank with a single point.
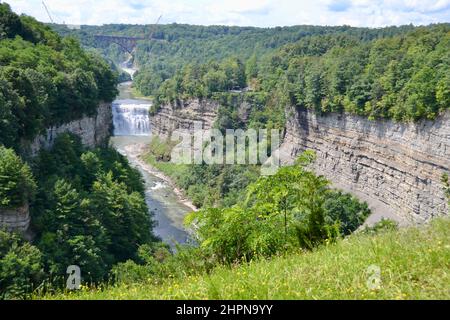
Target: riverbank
<point x="136" y="151"/>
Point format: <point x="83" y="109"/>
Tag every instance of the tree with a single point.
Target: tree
<point x="17" y="185"/>
<point x="346" y="210"/>
<point x="251" y="68"/>
<point x="9" y="124"/>
<point x="125" y="216"/>
<point x="72" y="234"/>
<point x="280" y="212"/>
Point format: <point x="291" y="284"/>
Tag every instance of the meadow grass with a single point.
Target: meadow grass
<point x="414" y="264"/>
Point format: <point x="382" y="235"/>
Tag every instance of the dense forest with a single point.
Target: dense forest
<point x="404" y="77"/>
<point x="87" y="207"/>
<point x="45" y="80"/>
<point x="395" y="72"/>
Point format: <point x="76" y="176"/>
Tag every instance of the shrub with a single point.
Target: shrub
<point x="345" y="209"/>
<point x="382" y="226"/>
<point x="21" y="268"/>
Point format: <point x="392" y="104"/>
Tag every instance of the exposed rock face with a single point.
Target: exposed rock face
<point x="183" y="116"/>
<point x="15" y="219"/>
<point x="395" y="167"/>
<point x="92" y="130"/>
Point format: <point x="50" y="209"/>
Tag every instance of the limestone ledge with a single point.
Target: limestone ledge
<point x="396" y="167"/>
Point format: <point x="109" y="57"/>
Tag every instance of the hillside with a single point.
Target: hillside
<point x="358" y="116"/>
<point x="54" y="194"/>
<point x="45" y="80"/>
<point x="336" y="271"/>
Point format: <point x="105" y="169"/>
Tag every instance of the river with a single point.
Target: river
<point x="132" y="132"/>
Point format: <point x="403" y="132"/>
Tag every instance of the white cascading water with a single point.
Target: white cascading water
<point x="131" y="119"/>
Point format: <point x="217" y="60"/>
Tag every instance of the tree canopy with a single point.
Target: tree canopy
<point x="45" y="80"/>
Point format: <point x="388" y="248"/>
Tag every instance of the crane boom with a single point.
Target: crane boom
<point x="154" y="27"/>
<point x="48" y="12"/>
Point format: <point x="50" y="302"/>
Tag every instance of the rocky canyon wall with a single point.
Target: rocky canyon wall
<point x="15" y="219"/>
<point x="93" y="131"/>
<point x="183" y="116"/>
<point x="396" y="167"/>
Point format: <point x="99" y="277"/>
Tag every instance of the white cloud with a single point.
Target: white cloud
<point x="372" y="13"/>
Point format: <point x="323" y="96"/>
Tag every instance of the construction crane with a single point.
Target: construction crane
<point x="154" y="28"/>
<point x="48" y="12"/>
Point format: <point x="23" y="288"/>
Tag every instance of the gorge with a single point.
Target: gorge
<point x="395" y="167"/>
<point x="102" y="188"/>
<point x="132" y="133"/>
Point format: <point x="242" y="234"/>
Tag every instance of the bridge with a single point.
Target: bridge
<point x="126" y="43"/>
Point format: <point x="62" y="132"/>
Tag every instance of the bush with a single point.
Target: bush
<point x="158" y="263"/>
<point x="21" y="268"/>
<point x="345" y="209"/>
<point x="381" y="226"/>
<point x="161" y="149"/>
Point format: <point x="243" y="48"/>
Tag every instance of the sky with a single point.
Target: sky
<point x="260" y="13"/>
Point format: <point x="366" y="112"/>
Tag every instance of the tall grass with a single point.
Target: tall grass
<point x="414" y="264"/>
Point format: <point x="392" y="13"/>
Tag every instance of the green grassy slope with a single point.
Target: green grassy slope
<point x="414" y="263"/>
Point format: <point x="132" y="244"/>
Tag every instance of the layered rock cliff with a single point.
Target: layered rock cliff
<point x="15" y="219"/>
<point x="183" y="116"/>
<point x="396" y="167"/>
<point x="92" y="130"/>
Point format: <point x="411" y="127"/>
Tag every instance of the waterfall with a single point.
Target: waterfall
<point x="131" y="119"/>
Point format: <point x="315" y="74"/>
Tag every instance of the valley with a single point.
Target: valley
<point x="132" y="134"/>
<point x="180" y="161"/>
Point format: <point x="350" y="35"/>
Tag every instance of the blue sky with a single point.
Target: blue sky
<point x="261" y="13"/>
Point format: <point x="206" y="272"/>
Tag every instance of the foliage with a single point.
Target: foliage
<point x="336" y="271"/>
<point x="381" y="226"/>
<point x="45" y="80"/>
<point x="159" y="264"/>
<point x="205" y="185"/>
<point x="346" y="210"/>
<point x="280" y="212"/>
<point x="89" y="210"/>
<point x="21" y="268"/>
<point x="17" y="185"/>
<point x="396" y="72"/>
<point x="404" y="77"/>
<point x="176" y="45"/>
<point x="161" y="149"/>
<point x="401" y="75"/>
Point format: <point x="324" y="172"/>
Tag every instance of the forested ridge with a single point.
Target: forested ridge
<point x="404" y="77"/>
<point x="45" y="79"/>
<point x="253" y="236"/>
<point x="395" y="72"/>
<point x="87" y="206"/>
